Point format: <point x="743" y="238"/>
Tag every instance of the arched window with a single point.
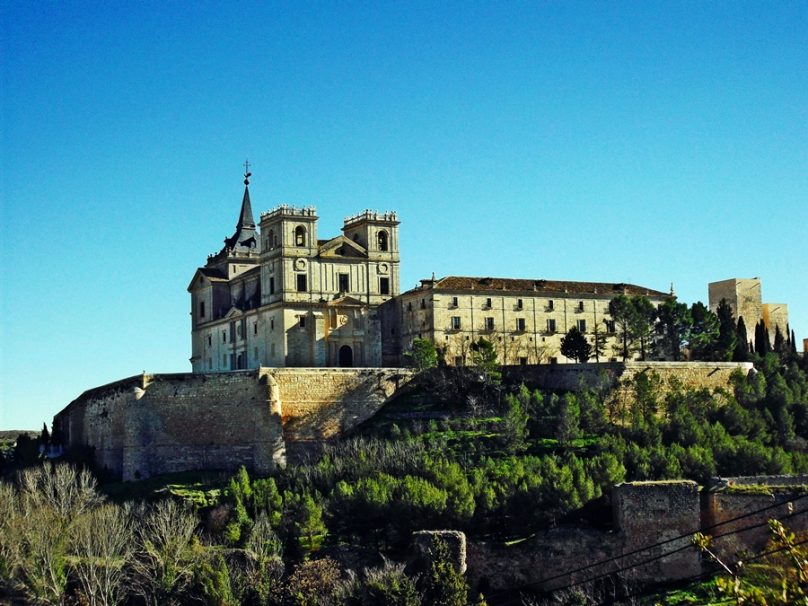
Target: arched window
<point x="300" y="236"/>
<point x="382" y="238"/>
<point x="271" y="240"/>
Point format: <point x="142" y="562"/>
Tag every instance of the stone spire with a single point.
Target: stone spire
<point x="245" y="238"/>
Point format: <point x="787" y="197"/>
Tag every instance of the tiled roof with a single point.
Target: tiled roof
<point x="543" y="286"/>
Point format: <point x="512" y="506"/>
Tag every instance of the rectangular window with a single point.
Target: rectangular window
<point x="551" y="325"/>
<point x="489" y="323"/>
<point x="224" y="336"/>
<point x="302" y="285"/>
<point x="455" y="322"/>
<point x="243" y="330"/>
<point x="272" y="324"/>
<point x="522" y="361"/>
<point x="519" y="304"/>
<point x="454" y="301"/>
<point x="580" y="305"/>
<point x="384" y="287"/>
<point x="272" y="286"/>
<point x="232" y="332"/>
<point x="344" y="285"/>
<point x="488" y="303"/>
<point x="610" y="327"/>
<point x="255" y="328"/>
<point x="582" y="325"/>
<point x="409" y="306"/>
<point x="210" y="341"/>
<point x="201" y="309"/>
<point x="520" y="324"/>
<point x="423" y="303"/>
<point x="302" y="322"/>
<point x="550" y="305"/>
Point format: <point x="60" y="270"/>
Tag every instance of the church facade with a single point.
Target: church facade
<point x="283" y="297"/>
<point x="276" y="295"/>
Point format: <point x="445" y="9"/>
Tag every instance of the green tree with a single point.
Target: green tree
<point x="575" y="346"/>
<point x="443" y="584"/>
<point x="622" y="312"/>
<point x="309" y="522"/>
<point x="569" y="418"/>
<point x="676" y="322"/>
<point x="514" y="423"/>
<point x="704" y="333"/>
<point x="422" y="355"/>
<point x="599" y="339"/>
<point x="642" y="324"/>
<point x="741" y="353"/>
<point x="484" y="362"/>
<point x="727" y="333"/>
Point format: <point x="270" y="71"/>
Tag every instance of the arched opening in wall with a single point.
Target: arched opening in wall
<point x="382" y="238"/>
<point x="346" y="356"/>
<point x="271" y="240"/>
<point x="300" y="236"/>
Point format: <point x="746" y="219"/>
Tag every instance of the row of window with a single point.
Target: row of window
<point x="344" y="284"/>
<point x="490" y="325"/>
<point x="488" y="304"/>
<point x="301" y="237"/>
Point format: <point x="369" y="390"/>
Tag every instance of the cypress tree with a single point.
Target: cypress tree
<point x="727" y="336"/>
<point x="741" y="353"/>
<point x="779" y="341"/>
<point x="793" y="342"/>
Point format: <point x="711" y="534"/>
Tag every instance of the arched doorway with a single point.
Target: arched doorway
<point x="346" y="356"/>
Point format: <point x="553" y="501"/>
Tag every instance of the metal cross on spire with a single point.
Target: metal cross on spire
<point x="247" y="173"/>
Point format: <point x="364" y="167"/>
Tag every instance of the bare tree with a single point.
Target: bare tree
<point x="163" y="564"/>
<point x="102" y="546"/>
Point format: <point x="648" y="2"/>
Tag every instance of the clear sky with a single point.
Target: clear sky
<point x="644" y="142"/>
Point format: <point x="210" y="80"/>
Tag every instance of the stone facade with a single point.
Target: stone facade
<point x="281" y="297"/>
<point x="745" y="297"/>
<point x="153" y="424"/>
<point x="524" y="319"/>
<point x="286" y="298"/>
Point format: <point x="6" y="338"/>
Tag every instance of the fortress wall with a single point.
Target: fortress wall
<point x="710" y="375"/>
<point x="319" y="404"/>
<point x="97" y="420"/>
<point x="202" y="421"/>
<point x="155" y="424"/>
<point x="648" y="513"/>
<point x="545" y="559"/>
<point x="729" y="511"/>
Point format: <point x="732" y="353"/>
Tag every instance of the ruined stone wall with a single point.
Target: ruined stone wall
<point x="710" y="375"/>
<point x="736" y="511"/>
<point x="153" y="424"/>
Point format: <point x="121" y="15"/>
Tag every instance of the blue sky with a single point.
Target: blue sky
<point x="644" y="142"/>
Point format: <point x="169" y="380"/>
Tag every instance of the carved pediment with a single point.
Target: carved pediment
<point x="342" y="247"/>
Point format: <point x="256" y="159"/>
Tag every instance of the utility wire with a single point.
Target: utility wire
<point x="658" y="557"/>
<point x="666" y="541"/>
<point x="708" y="575"/>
